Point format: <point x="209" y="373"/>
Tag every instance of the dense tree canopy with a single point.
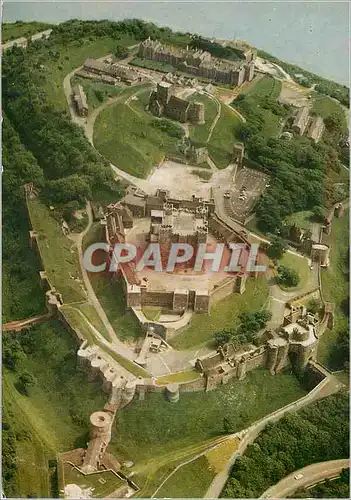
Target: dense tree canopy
<point x="317" y="433"/>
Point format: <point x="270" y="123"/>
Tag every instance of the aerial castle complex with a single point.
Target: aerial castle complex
<point x="200" y="63"/>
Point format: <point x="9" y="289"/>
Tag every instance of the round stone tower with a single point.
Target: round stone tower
<point x="100" y="425"/>
<point x="172" y="391"/>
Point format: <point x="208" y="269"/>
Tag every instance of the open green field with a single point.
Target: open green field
<point x="97" y="93"/>
<point x="190" y="481"/>
<point x="224" y="314"/>
<point x="11" y="31"/>
<point x="59" y="254"/>
<point x="326" y="106"/>
<point x="222" y="140"/>
<point x="199" y="133"/>
<point x="126" y="134"/>
<point x="154" y="65"/>
<point x="335" y="283"/>
<point x="264" y="87"/>
<point x="299" y="264"/>
<point x="147" y="430"/>
<point x="71" y="56"/>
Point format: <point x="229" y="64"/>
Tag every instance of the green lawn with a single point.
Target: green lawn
<point x="224" y="314"/>
<point x="325" y="106"/>
<point x="265" y="87"/>
<point x="190" y="481"/>
<point x="151" y="313"/>
<point x="199" y="133"/>
<point x="58" y="253"/>
<point x="155" y="65"/>
<point x="90" y="313"/>
<point x="125" y="135"/>
<point x="149" y="429"/>
<point x="299" y="264"/>
<point x="186" y="376"/>
<point x="335" y="283"/>
<point x="300" y="219"/>
<point x="223" y="137"/>
<point x="94" y="89"/>
<point x="71" y="56"/>
<point x="11" y="31"/>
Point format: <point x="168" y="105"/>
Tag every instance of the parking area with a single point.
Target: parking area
<point x="247" y="187"/>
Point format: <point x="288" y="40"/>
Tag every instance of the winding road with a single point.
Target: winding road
<point x="310" y="475"/>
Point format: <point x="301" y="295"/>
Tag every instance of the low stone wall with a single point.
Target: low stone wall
<point x="222" y="291"/>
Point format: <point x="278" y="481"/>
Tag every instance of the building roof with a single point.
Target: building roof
<point x="179" y="103"/>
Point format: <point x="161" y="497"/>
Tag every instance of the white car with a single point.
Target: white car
<point x="298" y="476"/>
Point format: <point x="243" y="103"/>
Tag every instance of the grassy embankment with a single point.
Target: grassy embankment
<point x="220" y="146"/>
<point x="335" y="285"/>
<point x="11" y="31"/>
<point x="192" y="480"/>
<point x="111" y="296"/>
<point x="154" y="432"/>
<point x="126" y="134"/>
<point x="224" y="314"/>
<point x="54" y="416"/>
<point x="199" y="133"/>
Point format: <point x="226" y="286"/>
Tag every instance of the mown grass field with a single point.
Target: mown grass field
<point x="224" y="314"/>
<point x="265" y="87"/>
<point x="59" y="254"/>
<point x="335" y="284"/>
<point x="299" y="264"/>
<point x="125" y="134"/>
<point x="199" y="133"/>
<point x="147" y="430"/>
<point x="11" y="31"/>
<point x="220" y="146"/>
<point x="154" y="65"/>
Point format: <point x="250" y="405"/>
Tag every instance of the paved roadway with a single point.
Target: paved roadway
<point x="312" y="474"/>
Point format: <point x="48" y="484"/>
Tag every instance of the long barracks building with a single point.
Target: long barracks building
<point x="199" y="63"/>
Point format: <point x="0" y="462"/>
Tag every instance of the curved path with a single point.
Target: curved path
<point x="312" y="474"/>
